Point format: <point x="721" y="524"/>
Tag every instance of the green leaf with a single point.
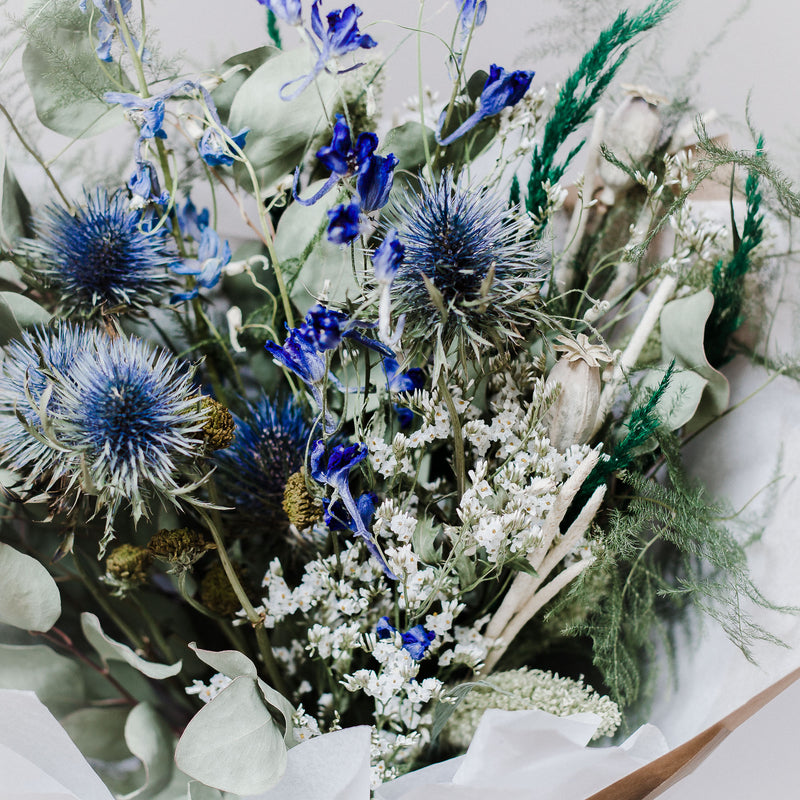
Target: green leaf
<point x="15" y="211"/>
<point x="66" y="80"/>
<point x="407" y="142"/>
<point x="423" y="541"/>
<point x="150" y="740"/>
<point x="56" y="680"/>
<point x="110" y="650"/>
<point x="29" y="598"/>
<point x="444" y="710"/>
<point x="300" y="241"/>
<point x="98" y="732"/>
<point x="683" y="324"/>
<point x="249" y="62"/>
<point x="283" y="707"/>
<point x="280" y="130"/>
<point x="232" y="743"/>
<point x="231" y="663"/>
<point x="521" y="564"/>
<point x="199" y="791"/>
<point x="18" y="312"/>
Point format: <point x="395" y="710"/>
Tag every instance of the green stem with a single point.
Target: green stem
<point x="270" y="664"/>
<point x="458" y="438"/>
<point x="91" y="585"/>
<point x="425" y="144"/>
<point x="37" y="157"/>
<point x="155" y="632"/>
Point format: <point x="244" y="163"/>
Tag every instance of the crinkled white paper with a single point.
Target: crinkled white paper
<point x="513" y="751"/>
<point x="334" y="766"/>
<point x="38" y="760"/>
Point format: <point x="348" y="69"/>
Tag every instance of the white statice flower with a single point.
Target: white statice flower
<point x="470" y="647"/>
<point x="207" y="692"/>
<point x="304" y="726"/>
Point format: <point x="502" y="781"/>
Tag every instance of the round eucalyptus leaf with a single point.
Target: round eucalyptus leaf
<point x="98" y="732"/>
<point x="29" y="598"/>
<point x="18" y="312"/>
<point x="232" y="743"/>
<point x="150" y="740"/>
<point x="15" y="210"/>
<point x="231" y="663"/>
<point x="111" y="650"/>
<point x="280" y="130"/>
<point x="55" y="679"/>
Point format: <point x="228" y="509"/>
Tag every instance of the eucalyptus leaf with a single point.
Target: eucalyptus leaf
<point x="150" y="740"/>
<point x="18" y="312"/>
<point x="56" y="680"/>
<point x="683" y="324"/>
<point x="283" y="707"/>
<point x="233" y="743"/>
<point x="98" y="732"/>
<point x="444" y="710"/>
<point x="66" y="80"/>
<point x="407" y="142"/>
<point x="199" y="791"/>
<point x="231" y="663"/>
<point x="110" y="650"/>
<point x="29" y="598"/>
<point x="15" y="210"/>
<point x="423" y="541"/>
<point x="680" y="401"/>
<point x="247" y="62"/>
<point x="280" y="130"/>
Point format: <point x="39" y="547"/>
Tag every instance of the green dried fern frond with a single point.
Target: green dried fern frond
<point x="580" y="93"/>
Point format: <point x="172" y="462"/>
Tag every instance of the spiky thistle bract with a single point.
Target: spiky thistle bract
<point x="270" y="445"/>
<point x="24" y="394"/>
<point x="100" y="258"/>
<point x="467" y="271"/>
<point x="111" y="418"/>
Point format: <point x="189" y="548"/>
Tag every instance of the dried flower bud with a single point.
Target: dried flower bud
<point x="216" y="592"/>
<point x="301" y="507"/>
<point x="180" y="548"/>
<point x="126" y="568"/>
<point x="220" y="428"/>
<point x="570" y="420"/>
<point x="631" y="135"/>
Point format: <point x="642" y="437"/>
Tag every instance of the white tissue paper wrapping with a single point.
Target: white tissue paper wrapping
<point x="511" y="751"/>
<point x="38" y="760"/>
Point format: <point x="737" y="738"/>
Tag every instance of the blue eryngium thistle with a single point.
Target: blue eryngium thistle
<point x="467" y="269"/>
<point x="100" y="259"/>
<point x="24" y="396"/>
<point x="269" y="446"/>
<point x="130" y="421"/>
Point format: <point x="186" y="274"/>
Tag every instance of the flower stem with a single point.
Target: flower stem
<point x="37" y="157"/>
<point x="270" y="664"/>
<point x="458" y="437"/>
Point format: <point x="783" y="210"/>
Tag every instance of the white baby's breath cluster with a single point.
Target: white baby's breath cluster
<point x="523" y="689"/>
<point x="206" y="692"/>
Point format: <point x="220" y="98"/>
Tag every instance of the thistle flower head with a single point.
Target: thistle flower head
<point x="269" y="446"/>
<point x="25" y="374"/>
<point x="128" y="420"/>
<point x="101" y="258"/>
<point x="468" y="270"/>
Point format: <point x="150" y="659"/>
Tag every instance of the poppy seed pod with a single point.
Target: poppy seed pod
<point x="631" y="135"/>
<point x="570" y="420"/>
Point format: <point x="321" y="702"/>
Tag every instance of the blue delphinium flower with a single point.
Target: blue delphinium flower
<point x="192" y="222"/>
<point x="212" y="255"/>
<point x="25" y="374"/>
<point x="399" y="381"/>
<point x="129" y="419"/>
<point x="344" y="223"/>
<point x="502" y="89"/>
<point x="336" y="474"/>
<point x="99" y="258"/>
<point x="148" y="112"/>
<point x="326" y="327"/>
<point x="144" y="184"/>
<point x="215" y="143"/>
<point x="374" y="181"/>
<point x="287" y="11"/>
<point x="416" y="640"/>
<point x="269" y="446"/>
<point x="386" y="261"/>
<point x="337" y="517"/>
<point x="107" y="26"/>
<point x="470" y="12"/>
<point x="469" y="247"/>
<point x="341" y="37"/>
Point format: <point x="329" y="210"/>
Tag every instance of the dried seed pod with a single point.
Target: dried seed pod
<point x="220" y="427"/>
<point x="571" y="418"/>
<point x="301" y="507"/>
